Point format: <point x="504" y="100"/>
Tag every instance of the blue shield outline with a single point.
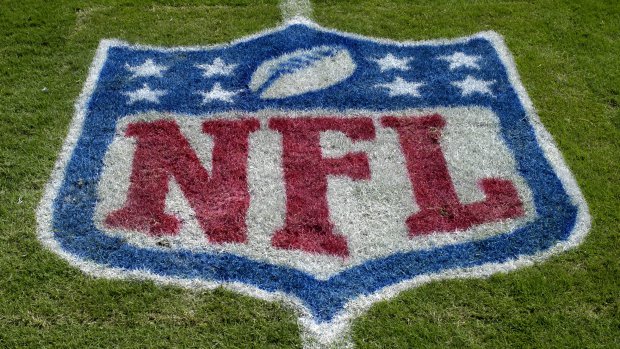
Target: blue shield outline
<point x="66" y="211"/>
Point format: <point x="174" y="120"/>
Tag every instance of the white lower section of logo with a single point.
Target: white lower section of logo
<point x="370" y="213"/>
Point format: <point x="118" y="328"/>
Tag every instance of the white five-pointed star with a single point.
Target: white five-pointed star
<point x="459" y="59"/>
<point x="472" y="85"/>
<point x="218" y="67"/>
<point x="392" y="62"/>
<point x="400" y="87"/>
<point x="144" y="94"/>
<point x="148" y="68"/>
<point x="217" y="93"/>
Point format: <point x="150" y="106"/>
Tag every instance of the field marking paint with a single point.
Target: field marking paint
<point x="335" y="331"/>
<point x="292" y="9"/>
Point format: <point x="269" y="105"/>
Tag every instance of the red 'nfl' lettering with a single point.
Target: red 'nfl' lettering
<point x="221" y="200"/>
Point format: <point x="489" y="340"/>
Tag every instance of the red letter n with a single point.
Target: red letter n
<point x="220" y="201"/>
<point x="307" y="225"/>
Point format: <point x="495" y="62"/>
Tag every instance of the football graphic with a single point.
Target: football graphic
<point x="302" y="71"/>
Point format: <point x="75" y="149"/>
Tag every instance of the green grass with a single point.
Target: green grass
<point x="568" y="55"/>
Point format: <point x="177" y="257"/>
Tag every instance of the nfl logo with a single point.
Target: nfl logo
<point x="302" y="164"/>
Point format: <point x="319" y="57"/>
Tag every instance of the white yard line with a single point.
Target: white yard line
<point x="292" y="9"/>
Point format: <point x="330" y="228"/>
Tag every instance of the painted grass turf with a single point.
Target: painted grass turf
<point x="568" y="55"/>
